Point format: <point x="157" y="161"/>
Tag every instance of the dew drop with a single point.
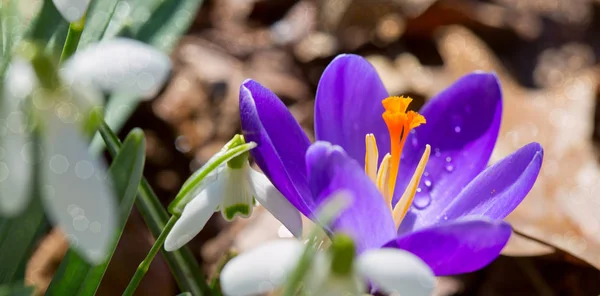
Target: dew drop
<point x="457" y="129"/>
<point x="422" y="201"/>
<point x="437" y="152"/>
<point x="445" y="218"/>
<point x="414" y="142"/>
<point x="419" y="189"/>
<point x="449" y="168"/>
<point x="448" y="159"/>
<point x="428" y="183"/>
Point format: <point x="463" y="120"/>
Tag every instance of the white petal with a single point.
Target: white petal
<point x="15" y="148"/>
<point x="261" y="269"/>
<point x="332" y="285"/>
<point x="394" y="270"/>
<point x="121" y="66"/>
<point x="237" y="196"/>
<point x="195" y="215"/>
<point x="78" y="195"/>
<point x="270" y="198"/>
<point x="71" y="10"/>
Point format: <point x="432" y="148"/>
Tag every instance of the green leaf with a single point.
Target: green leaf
<point x="19" y="235"/>
<point x="159" y="23"/>
<point x="10" y="29"/>
<point x="99" y="15"/>
<point x="77" y="277"/>
<point x="16" y="289"/>
<point x="182" y="262"/>
<point x="48" y="25"/>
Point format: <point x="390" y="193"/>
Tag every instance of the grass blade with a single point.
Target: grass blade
<point x="182" y="262"/>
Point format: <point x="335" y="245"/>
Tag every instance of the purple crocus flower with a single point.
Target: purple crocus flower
<point x="425" y="189"/>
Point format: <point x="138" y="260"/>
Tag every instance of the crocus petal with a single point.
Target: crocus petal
<point x="15" y="159"/>
<point x="281" y="143"/>
<point x="71" y="10"/>
<point x="195" y="215"/>
<point x="270" y="198"/>
<point x="261" y="269"/>
<point x="462" y="126"/>
<point x="367" y="219"/>
<point x="120" y="66"/>
<point x="78" y="195"/>
<point x="348" y="106"/>
<point x="458" y="246"/>
<point x="393" y="270"/>
<point x="499" y="189"/>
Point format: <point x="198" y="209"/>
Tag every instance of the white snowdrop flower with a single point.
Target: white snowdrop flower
<point x="232" y="188"/>
<point x="337" y="272"/>
<point x="121" y="65"/>
<point x="71" y="177"/>
<point x="14" y="188"/>
<point x="71" y="10"/>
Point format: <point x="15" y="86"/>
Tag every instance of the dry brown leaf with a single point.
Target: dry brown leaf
<point x="562" y="208"/>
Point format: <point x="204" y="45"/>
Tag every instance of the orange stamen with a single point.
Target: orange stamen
<point x="399" y="123"/>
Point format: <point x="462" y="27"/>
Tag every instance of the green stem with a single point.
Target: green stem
<point x="73" y="36"/>
<point x="183" y="264"/>
<point x="143" y="267"/>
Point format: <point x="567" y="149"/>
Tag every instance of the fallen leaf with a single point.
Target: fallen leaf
<point x="562" y="208"/>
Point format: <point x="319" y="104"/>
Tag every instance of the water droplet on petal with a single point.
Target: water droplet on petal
<point x="422" y="201"/>
<point x="448" y="159"/>
<point x="449" y="168"/>
<point x="437" y="152"/>
<point x="457" y="129"/>
<point x="419" y="189"/>
<point x="414" y="142"/>
<point x="428" y="183"/>
<point x="445" y="218"/>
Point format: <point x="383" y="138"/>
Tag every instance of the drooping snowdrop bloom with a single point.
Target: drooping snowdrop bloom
<point x="72" y="10"/>
<point x="232" y="188"/>
<point x="77" y="194"/>
<point x="419" y="180"/>
<point x="333" y="272"/>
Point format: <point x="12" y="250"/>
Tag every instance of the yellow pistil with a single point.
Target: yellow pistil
<point x="399" y="123"/>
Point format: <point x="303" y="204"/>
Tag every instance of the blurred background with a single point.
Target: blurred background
<point x="544" y="51"/>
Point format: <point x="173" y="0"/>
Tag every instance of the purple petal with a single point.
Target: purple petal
<point x="462" y="126"/>
<point x="367" y="219"/>
<point x="458" y="246"/>
<point x="499" y="189"/>
<point x="282" y="144"/>
<point x="348" y="106"/>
